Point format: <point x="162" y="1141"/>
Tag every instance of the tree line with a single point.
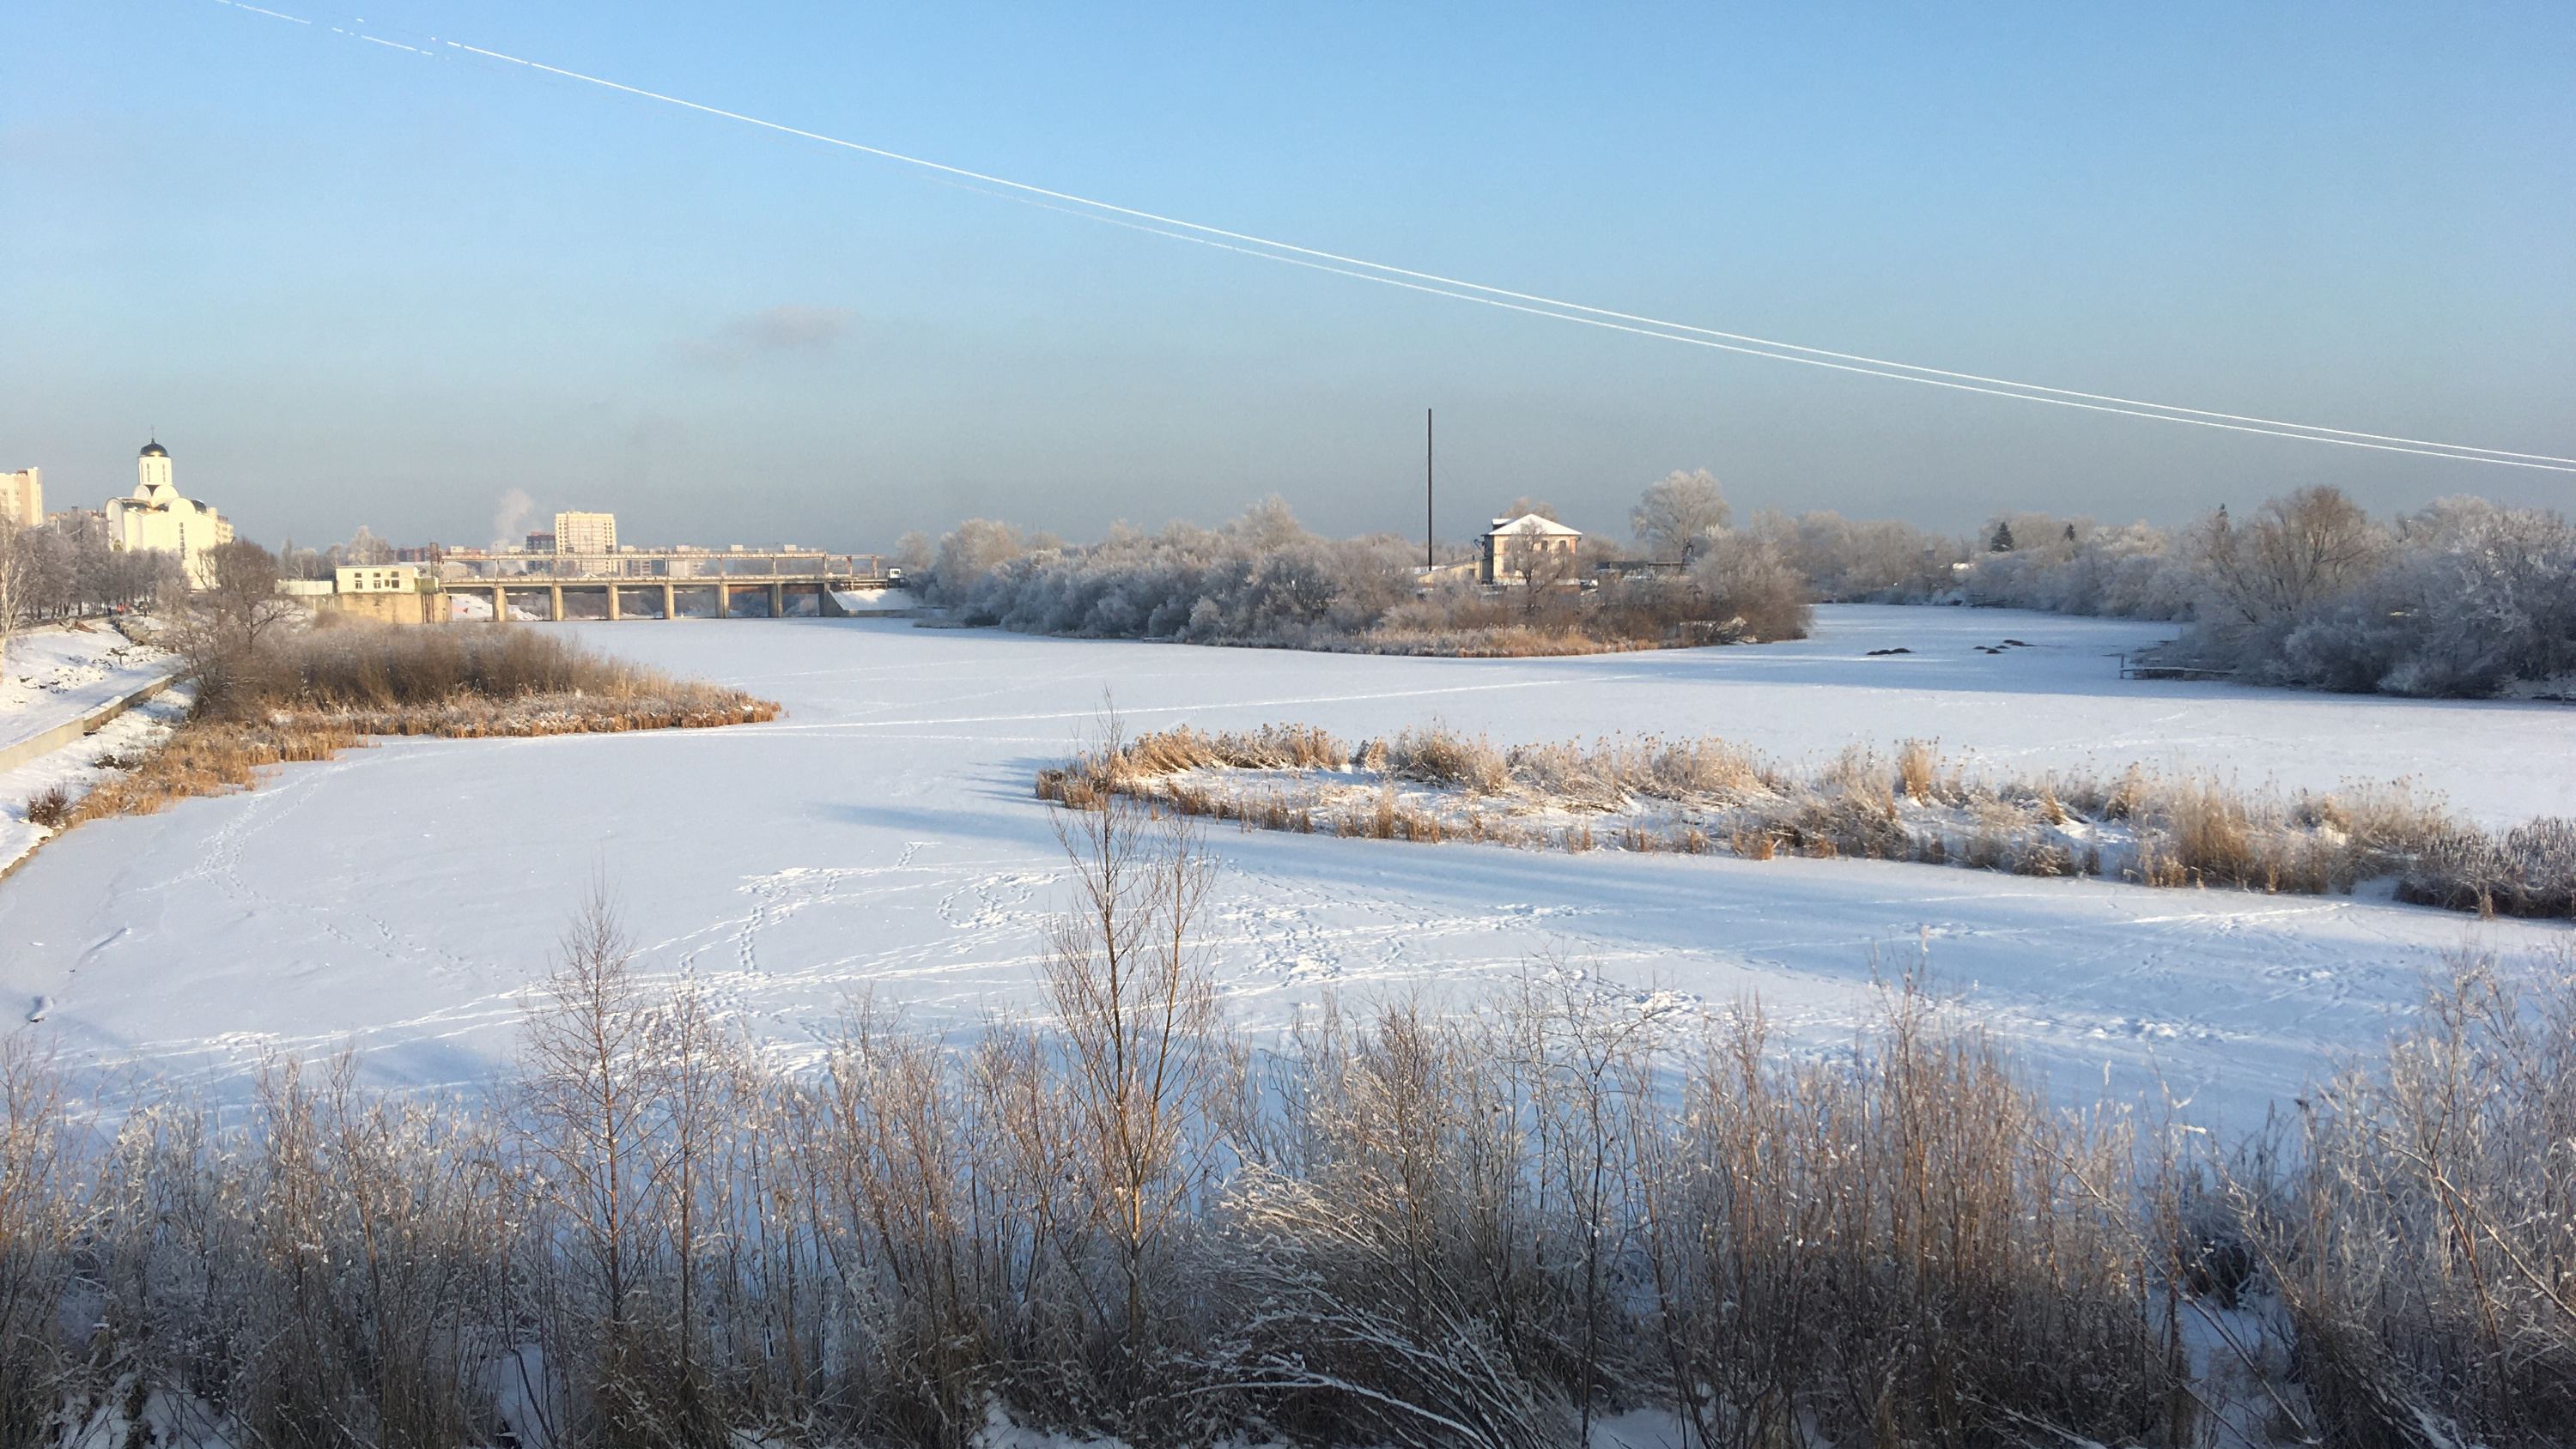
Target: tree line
<point x="2463" y="598"/>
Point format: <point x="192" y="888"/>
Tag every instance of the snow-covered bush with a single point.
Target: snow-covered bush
<point x="1751" y="586"/>
<point x="2422" y="1246"/>
<point x="2076" y="567"/>
<point x="2463" y="599"/>
<point x="1862" y="560"/>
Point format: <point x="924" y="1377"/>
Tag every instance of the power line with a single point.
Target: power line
<point x="1360" y="268"/>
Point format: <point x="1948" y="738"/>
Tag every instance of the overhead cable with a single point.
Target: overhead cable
<point x="1360" y="268"/>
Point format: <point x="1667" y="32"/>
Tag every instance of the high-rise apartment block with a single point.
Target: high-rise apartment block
<point x="22" y="498"/>
<point x="585" y="533"/>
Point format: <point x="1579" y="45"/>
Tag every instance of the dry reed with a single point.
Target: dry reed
<point x="308" y="697"/>
<point x="2188" y="832"/>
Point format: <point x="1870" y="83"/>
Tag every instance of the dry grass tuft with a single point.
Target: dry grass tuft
<point x="1684" y="795"/>
<point x="307" y="697"/>
<point x="1443" y="756"/>
<point x="51" y="809"/>
<point x="2529" y="871"/>
<point x="1918" y="767"/>
<point x="213" y="758"/>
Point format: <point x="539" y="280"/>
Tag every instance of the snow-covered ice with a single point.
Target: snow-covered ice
<point x="883" y="836"/>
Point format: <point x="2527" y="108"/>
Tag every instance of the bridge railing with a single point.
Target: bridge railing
<point x="660" y="567"/>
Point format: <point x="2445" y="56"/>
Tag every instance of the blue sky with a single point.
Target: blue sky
<point x="350" y="285"/>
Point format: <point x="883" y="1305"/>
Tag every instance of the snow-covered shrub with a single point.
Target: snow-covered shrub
<point x="2463" y="599"/>
<point x="2076" y="567"/>
<point x="2422" y="1246"/>
<point x="50" y="808"/>
<point x="2530" y="870"/>
<point x="1752" y="588"/>
<point x="1862" y="560"/>
<point x="2166" y="830"/>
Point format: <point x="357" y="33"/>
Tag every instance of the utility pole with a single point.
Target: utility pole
<point x="1427" y="535"/>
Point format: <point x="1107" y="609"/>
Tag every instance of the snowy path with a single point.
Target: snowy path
<point x="57" y="674"/>
<point x="883" y="836"/>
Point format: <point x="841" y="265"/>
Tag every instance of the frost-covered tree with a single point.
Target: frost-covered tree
<point x="1674" y="514"/>
<point x="2477" y="598"/>
<point x="2300" y="549"/>
<point x="362" y="548"/>
<point x="979" y="546"/>
<point x="1751" y="585"/>
<point x="1862" y="560"/>
<point x="914" y="554"/>
<point x="16" y="571"/>
<point x="2077" y="567"/>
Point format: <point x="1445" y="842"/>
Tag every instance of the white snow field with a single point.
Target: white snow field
<point x="882" y="836"/>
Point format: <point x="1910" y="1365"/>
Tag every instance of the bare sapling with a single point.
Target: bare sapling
<point x="1130" y="982"/>
<point x="617" y="1098"/>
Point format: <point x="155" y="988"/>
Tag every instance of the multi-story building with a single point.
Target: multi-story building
<point x="584" y="533"/>
<point x="379" y="579"/>
<point x="22" y="498"/>
<point x="1521" y="550"/>
<point x="389" y="592"/>
<point x="159" y="518"/>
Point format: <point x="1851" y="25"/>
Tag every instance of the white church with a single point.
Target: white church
<point x="157" y="517"/>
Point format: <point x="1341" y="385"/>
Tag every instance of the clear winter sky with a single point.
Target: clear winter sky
<point x="350" y="285"/>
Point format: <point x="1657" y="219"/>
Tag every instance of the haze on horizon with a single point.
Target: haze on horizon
<point x="349" y="285"/>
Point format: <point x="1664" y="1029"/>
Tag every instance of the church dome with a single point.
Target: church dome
<point x="155" y="450"/>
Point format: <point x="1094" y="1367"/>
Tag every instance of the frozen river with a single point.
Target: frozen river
<point x="883" y="836"/>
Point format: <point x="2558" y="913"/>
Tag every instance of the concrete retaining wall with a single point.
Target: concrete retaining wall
<point x="70" y="730"/>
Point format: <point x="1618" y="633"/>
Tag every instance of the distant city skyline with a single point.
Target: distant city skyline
<point x="350" y="286"/>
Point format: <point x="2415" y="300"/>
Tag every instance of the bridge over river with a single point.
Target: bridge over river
<point x="733" y="585"/>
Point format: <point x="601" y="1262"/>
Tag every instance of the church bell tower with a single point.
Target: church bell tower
<point x="154" y="467"/>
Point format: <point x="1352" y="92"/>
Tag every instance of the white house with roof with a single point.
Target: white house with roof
<point x="157" y="517"/>
<point x="1514" y="546"/>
